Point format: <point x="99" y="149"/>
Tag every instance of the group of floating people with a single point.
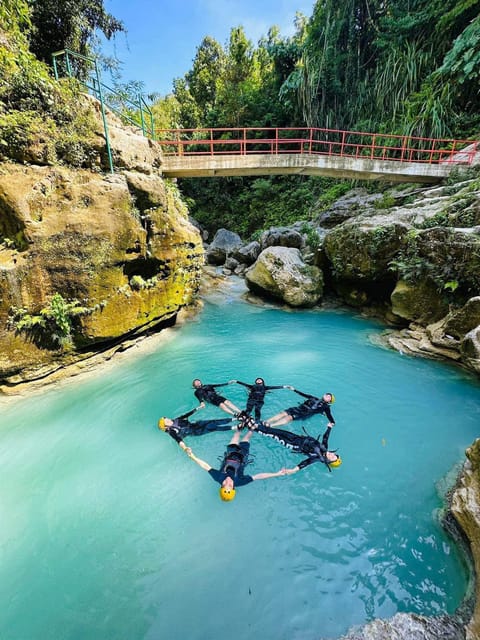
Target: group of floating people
<point x="231" y="473"/>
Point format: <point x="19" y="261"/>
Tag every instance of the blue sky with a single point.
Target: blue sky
<point x="163" y="35"/>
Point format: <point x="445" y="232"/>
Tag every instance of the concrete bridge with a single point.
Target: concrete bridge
<point x="198" y="153"/>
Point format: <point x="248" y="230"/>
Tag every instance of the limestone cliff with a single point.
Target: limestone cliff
<point x="121" y="246"/>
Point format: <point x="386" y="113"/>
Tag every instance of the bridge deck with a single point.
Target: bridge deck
<point x="300" y="164"/>
<point x="311" y="151"/>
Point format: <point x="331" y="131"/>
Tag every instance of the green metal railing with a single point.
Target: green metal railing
<point x="134" y="112"/>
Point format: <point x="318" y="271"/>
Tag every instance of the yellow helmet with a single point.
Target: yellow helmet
<point x="336" y="463"/>
<point x="227" y="494"/>
<point x="161" y="424"/>
<point x="332" y="396"/>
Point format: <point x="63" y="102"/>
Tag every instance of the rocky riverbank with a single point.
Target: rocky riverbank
<point x="409" y="256"/>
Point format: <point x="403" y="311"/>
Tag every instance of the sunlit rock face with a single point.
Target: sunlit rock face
<point x="121" y="245"/>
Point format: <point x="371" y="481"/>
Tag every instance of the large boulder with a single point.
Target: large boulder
<point x="346" y="207"/>
<point x="470" y="349"/>
<point x="361" y="250"/>
<point x="281" y="237"/>
<point x="248" y="253"/>
<point x="281" y="273"/>
<point x="460" y="321"/>
<point x="450" y="256"/>
<point x="223" y="244"/>
<point x="418" y="301"/>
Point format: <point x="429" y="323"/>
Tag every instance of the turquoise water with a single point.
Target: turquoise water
<point x="108" y="531"/>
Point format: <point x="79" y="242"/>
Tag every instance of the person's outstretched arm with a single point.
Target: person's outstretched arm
<point x="304" y="395"/>
<point x="189" y="413"/>
<point x="328" y="413"/>
<point x="265" y="476"/>
<point x="199" y="461"/>
<point x="289" y="472"/>
<point x="244" y="384"/>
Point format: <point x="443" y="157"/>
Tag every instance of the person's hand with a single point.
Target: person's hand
<point x="330" y="424"/>
<point x="288" y="386"/>
<point x="201" y="406"/>
<point x="188" y="451"/>
<point x="231" y="381"/>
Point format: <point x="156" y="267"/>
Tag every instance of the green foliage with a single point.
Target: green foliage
<point x="137" y="283"/>
<point x="69" y="24"/>
<point x="41" y="120"/>
<point x="387" y="201"/>
<point x="245" y="205"/>
<point x="51" y="327"/>
<point x="312" y="237"/>
<point x="22" y="131"/>
<point x="452" y="285"/>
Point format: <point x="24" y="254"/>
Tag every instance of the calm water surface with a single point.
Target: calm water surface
<point x="108" y="531"/>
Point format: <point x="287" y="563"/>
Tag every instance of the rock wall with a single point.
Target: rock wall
<point x="120" y="245"/>
<point x="465" y="506"/>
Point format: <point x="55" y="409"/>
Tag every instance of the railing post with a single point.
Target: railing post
<point x="104" y="118"/>
<point x="152" y="126"/>
<point x="142" y="119"/>
<point x="55" y="70"/>
<point x="67" y="64"/>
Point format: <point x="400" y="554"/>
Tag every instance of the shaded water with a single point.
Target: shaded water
<point x="108" y="531"/>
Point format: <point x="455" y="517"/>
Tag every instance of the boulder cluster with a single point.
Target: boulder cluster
<point x="410" y="255"/>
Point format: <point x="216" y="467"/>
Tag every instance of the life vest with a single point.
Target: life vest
<point x="232" y="463"/>
<point x="315" y="404"/>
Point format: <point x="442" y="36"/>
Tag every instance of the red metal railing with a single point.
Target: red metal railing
<point x="315" y="141"/>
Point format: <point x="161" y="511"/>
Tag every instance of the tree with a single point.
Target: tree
<point x="69" y="24"/>
<point x="204" y="77"/>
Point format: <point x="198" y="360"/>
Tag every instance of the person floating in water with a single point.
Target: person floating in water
<point x="311" y="406"/>
<point x="256" y="394"/>
<point x="315" y="450"/>
<point x="231" y="473"/>
<point x="179" y="428"/>
<point x="206" y="393"/>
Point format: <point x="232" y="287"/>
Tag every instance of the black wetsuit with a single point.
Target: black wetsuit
<point x="233" y="465"/>
<point x="313" y="448"/>
<point x="256" y="396"/>
<point x="183" y="427"/>
<point x="310" y="407"/>
<point x="207" y="393"/>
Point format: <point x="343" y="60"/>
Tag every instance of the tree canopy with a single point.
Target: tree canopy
<point x="68" y="24"/>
